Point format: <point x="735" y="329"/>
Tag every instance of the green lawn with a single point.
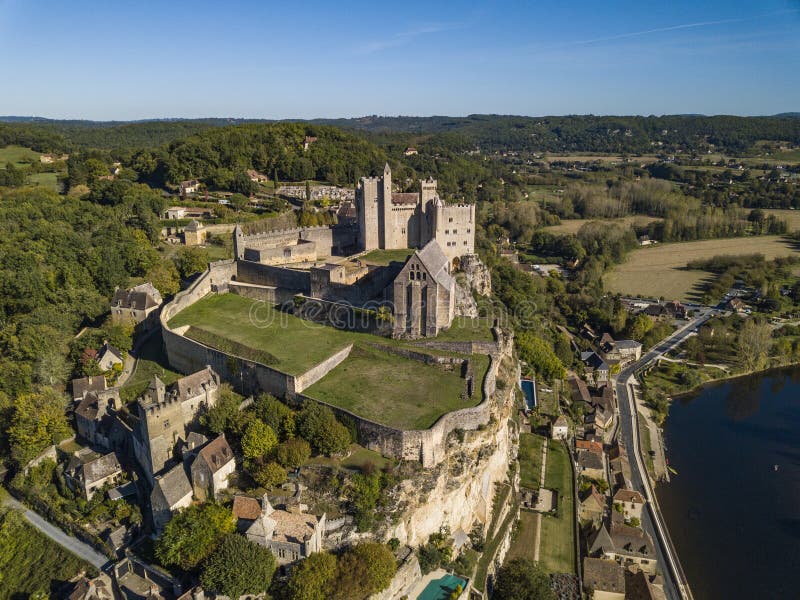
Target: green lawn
<point x="360" y="457"/>
<point x="31" y="562"/>
<point x="384" y="257"/>
<point x="413" y="395"/>
<point x="152" y="361"/>
<point x="522" y="546"/>
<point x="16" y="154"/>
<point x="466" y="329"/>
<point x="48" y="180"/>
<point x="530" y="459"/>
<point x="557" y="547"/>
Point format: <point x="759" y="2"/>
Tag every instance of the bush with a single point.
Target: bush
<point x="293" y="453"/>
<point x="238" y="567"/>
<point x="269" y="474"/>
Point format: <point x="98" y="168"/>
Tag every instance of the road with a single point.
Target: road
<point x="74" y="545"/>
<point x="675" y="585"/>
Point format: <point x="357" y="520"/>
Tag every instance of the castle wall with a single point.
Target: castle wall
<point x="402" y="226"/>
<point x="302" y="251"/>
<point x="279" y="277"/>
<point x="343" y="316"/>
<point x="454" y="229"/>
<point x="367" y="209"/>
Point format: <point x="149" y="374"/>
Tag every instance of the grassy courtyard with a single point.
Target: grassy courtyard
<point x="530" y="459"/>
<point x="524" y="540"/>
<point x="372" y="383"/>
<point x="384" y="257"/>
<point x="359" y="381"/>
<point x="151" y="361"/>
<point x="557" y="548"/>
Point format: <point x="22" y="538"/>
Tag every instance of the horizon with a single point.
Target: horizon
<point x="252" y="60"/>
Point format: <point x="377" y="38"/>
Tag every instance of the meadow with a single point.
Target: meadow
<point x="660" y="270"/>
<point x="571" y="226"/>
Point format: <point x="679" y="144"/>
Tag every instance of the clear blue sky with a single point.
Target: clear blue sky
<point x="143" y="59"/>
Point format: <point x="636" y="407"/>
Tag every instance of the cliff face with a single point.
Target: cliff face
<point x="458" y="493"/>
<point x="477" y="274"/>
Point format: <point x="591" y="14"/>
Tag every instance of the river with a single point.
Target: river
<point x="733" y="509"/>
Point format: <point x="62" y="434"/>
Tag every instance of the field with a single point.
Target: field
<point x="573" y="225"/>
<point x="659" y="271"/>
<point x="380" y="386"/>
<point x="48" y="180"/>
<point x="16" y="154"/>
<point x="525" y="537"/>
<point x="602" y="158"/>
<point x="31" y="562"/>
<point x="355" y="384"/>
<point x="792" y="217"/>
<point x="530" y="459"/>
<point x="557" y="546"/>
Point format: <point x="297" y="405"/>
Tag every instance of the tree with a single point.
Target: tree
<point x="239" y="201"/>
<point x="540" y="356"/>
<point x="269" y="474"/>
<point x="363" y="570"/>
<point x="754" y="341"/>
<point x="238" y="567"/>
<point x="221" y="416"/>
<point x="38" y="421"/>
<point x="191" y="260"/>
<point x="165" y="277"/>
<point x="522" y="579"/>
<point x="318" y="425"/>
<point x="258" y="440"/>
<point x="276" y="414"/>
<point x="293" y="453"/>
<point x="312" y="577"/>
<point x="193" y="534"/>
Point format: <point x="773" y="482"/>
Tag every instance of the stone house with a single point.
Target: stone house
<point x="165" y="416"/>
<point x="108" y="357"/>
<point x="625" y="544"/>
<point x="190" y="186"/>
<point x="291" y="535"/>
<point x="596" y="366"/>
<point x="560" y="428"/>
<point x="424" y="294"/>
<point x="630" y="502"/>
<point x="91" y="589"/>
<point x="592" y="506"/>
<point x="97" y="419"/>
<point x="211" y="468"/>
<point x="94" y="474"/>
<point x="139" y="304"/>
<point x="256" y="177"/>
<point x="82" y="385"/>
<point x="620" y="351"/>
<point x="194" y="234"/>
<point x="603" y="579"/>
<point x="591" y="465"/>
<point x="171" y="492"/>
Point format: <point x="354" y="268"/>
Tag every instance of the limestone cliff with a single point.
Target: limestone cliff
<point x="477" y="274"/>
<point x="458" y="493"/>
<point x="465" y="303"/>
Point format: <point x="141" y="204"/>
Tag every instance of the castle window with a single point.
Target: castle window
<point x="403" y="230"/>
<point x="469" y="230"/>
<point x="465" y="242"/>
<point x="447" y="231"/>
<point x="166" y="423"/>
<point x="455" y="231"/>
<point x="424" y="277"/>
<point x="450" y="220"/>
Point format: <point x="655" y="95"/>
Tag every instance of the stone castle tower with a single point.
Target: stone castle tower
<point x="391" y="220"/>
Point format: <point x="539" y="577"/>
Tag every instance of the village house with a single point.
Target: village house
<point x="736" y="305"/>
<point x="211" y="468"/>
<point x="194" y="234"/>
<point x="108" y="357"/>
<point x="47" y="159"/>
<point x="187" y="212"/>
<point x="619" y="351"/>
<point x="190" y="186"/>
<point x="290" y="535"/>
<point x="93" y="474"/>
<point x="596" y="367"/>
<point x="579" y="392"/>
<point x="90" y="589"/>
<point x="643" y="586"/>
<point x="592" y="506"/>
<point x="98" y="421"/>
<point x="619" y="466"/>
<point x="410" y="151"/>
<point x="139" y="304"/>
<point x="82" y="385"/>
<point x="171" y="492"/>
<point x="603" y="579"/>
<point x="630" y="503"/>
<point x="256" y="177"/>
<point x="590" y="464"/>
<point x="560" y="428"/>
<point x="625" y="544"/>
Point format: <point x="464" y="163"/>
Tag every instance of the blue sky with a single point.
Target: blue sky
<point x="132" y="60"/>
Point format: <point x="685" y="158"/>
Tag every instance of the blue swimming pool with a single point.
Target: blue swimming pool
<point x="440" y="589"/>
<point x="529" y="389"/>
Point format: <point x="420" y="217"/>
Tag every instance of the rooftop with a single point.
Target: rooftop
<point x="603" y="575"/>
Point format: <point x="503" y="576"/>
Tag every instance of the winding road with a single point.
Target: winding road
<point x="676" y="587"/>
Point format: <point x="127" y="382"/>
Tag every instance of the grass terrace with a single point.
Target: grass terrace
<point x="524" y="541"/>
<point x="557" y="547"/>
<point x="384" y="257"/>
<point x="375" y="384"/>
<point x="530" y="459"/>
<point x="151" y="361"/>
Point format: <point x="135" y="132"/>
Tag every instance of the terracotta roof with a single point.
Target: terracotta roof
<point x="216" y="453"/>
<point x="245" y="507"/>
<point x="595" y="447"/>
<point x="405" y="198"/>
<point x="624" y="495"/>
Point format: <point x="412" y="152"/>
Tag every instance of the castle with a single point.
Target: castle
<point x="390" y="220"/>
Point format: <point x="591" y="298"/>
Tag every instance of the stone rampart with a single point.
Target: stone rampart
<point x="280" y="277"/>
<point x="341" y="315"/>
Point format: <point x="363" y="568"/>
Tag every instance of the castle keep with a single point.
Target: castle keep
<point x="389" y="220"/>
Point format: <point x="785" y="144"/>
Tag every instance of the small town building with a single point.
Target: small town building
<point x="620" y="351"/>
<point x="211" y="468"/>
<point x="108" y="357"/>
<point x="591" y="465"/>
<point x="171" y="492"/>
<point x="256" y="177"/>
<point x="596" y="367"/>
<point x="410" y="151"/>
<point x="83" y="385"/>
<point x="630" y="503"/>
<point x="194" y="234"/>
<point x="139" y="304"/>
<point x="93" y="474"/>
<point x="291" y="535"/>
<point x="592" y="506"/>
<point x="560" y="428"/>
<point x="624" y="544"/>
<point x="190" y="186"/>
<point x="603" y="579"/>
<point x="91" y="589"/>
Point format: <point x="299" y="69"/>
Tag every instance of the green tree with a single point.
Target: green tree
<point x="754" y="343"/>
<point x="165" y="277"/>
<point x="193" y="534"/>
<point x="539" y="356"/>
<point x="276" y="414"/>
<point x="258" y="440"/>
<point x="318" y="425"/>
<point x="311" y="579"/>
<point x="222" y="415"/>
<point x="191" y="260"/>
<point x="293" y="453"/>
<point x="363" y="570"/>
<point x="239" y="201"/>
<point x="268" y="474"/>
<point x="522" y="579"/>
<point x="38" y="421"/>
<point x="238" y="567"/>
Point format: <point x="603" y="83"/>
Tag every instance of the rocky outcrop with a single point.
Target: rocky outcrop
<point x="465" y="303"/>
<point x="477" y="274"/>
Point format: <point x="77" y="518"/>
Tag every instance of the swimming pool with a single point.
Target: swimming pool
<point x="440" y="589"/>
<point x="529" y="390"/>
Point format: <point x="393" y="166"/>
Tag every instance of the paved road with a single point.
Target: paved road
<point x="675" y="584"/>
<point x="72" y="544"/>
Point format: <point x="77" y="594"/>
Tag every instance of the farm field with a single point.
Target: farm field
<point x="48" y="180"/>
<point x="603" y="158"/>
<point x="16" y="154"/>
<point x="792" y="217"/>
<point x="660" y="270"/>
<point x="573" y="225"/>
<point x="557" y="546"/>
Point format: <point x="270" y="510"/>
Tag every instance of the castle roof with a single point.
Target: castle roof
<point x="436" y="263"/>
<point x="83" y="385"/>
<point x="173" y="485"/>
<point x="141" y="297"/>
<point x="216" y="453"/>
<point x="245" y="507"/>
<point x="194" y="226"/>
<point x="192" y="385"/>
<point x="100" y="468"/>
<point x="405" y="198"/>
